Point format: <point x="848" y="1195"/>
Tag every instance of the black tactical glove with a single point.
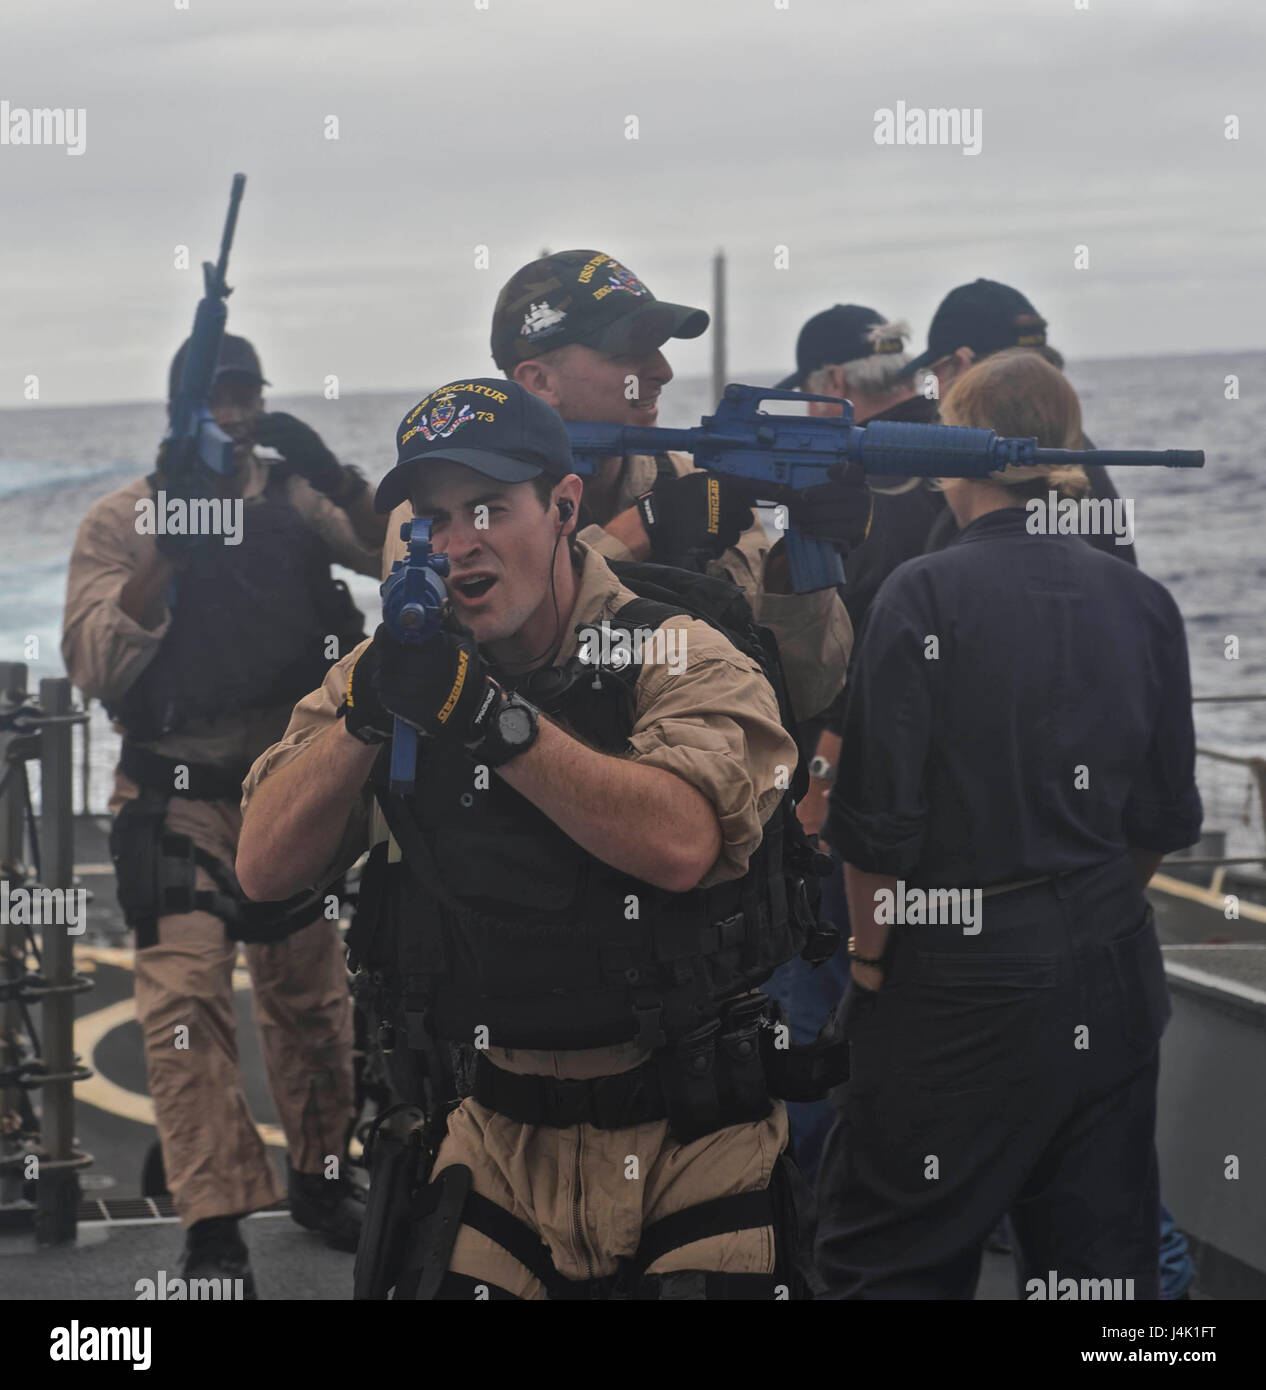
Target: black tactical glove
<point x="695" y="513"/>
<point x="440" y="686"/>
<point x="837" y="511"/>
<point x="302" y="448"/>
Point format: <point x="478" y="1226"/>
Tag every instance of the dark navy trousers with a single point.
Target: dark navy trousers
<point x="1010" y="1071"/>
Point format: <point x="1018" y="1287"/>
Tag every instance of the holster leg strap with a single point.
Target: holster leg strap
<point x="515" y="1239"/>
<point x="744" y="1211"/>
<point x="722" y="1216"/>
<point x="434" y="1235"/>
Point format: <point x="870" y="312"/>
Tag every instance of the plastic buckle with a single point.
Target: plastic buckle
<point x="648" y="1010"/>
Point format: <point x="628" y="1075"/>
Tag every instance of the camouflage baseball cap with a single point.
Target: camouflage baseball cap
<point x="583" y="297"/>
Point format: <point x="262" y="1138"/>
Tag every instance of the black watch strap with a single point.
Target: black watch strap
<point x="494" y="748"/>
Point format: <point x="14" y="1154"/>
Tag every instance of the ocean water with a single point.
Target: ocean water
<point x="1201" y="533"/>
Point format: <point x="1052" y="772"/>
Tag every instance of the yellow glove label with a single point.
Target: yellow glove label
<point x="463" y="660"/>
<point x="714" y="506"/>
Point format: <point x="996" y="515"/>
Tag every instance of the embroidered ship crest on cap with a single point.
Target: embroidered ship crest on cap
<point x="540" y="320"/>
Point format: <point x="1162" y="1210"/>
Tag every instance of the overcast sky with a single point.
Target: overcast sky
<point x="505" y="127"/>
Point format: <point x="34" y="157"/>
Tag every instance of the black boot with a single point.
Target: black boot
<point x="214" y="1249"/>
<point x="333" y="1206"/>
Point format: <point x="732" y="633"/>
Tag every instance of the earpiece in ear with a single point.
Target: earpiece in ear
<point x="566" y="508"/>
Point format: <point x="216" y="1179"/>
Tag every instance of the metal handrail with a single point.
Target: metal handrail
<point x="42" y="731"/>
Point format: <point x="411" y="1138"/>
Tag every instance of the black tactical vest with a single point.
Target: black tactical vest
<point x="249" y="624"/>
<point x="498" y="920"/>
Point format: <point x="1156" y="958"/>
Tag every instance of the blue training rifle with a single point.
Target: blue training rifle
<point x="413" y="599"/>
<point x="195" y="442"/>
<point x="783" y="454"/>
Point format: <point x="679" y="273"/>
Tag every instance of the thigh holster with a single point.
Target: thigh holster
<point x="156" y="876"/>
<point x="397" y="1163"/>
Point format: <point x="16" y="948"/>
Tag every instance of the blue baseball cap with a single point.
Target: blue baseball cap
<point x="492" y="425"/>
<point x="985" y="316"/>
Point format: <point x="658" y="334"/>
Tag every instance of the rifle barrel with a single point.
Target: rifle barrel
<point x="230" y="227"/>
<point x="1167" y="458"/>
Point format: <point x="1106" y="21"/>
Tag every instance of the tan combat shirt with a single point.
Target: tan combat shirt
<point x="105" y="650"/>
<point x="813" y="631"/>
<point x="715" y="725"/>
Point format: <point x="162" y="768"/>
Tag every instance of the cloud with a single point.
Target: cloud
<point x="504" y="127"/>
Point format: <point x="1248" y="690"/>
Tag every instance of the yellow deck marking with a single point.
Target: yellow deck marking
<point x="1193" y="892"/>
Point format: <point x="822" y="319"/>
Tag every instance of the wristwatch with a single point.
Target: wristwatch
<point x="820" y="770"/>
<point x="512" y="729"/>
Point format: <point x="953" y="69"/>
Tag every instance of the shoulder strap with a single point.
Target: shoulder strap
<point x="405" y="832"/>
<point x="646" y="612"/>
<point x="723" y="606"/>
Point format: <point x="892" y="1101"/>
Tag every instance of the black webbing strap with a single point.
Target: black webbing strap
<point x="421" y="863"/>
<point x="515" y="1238"/>
<point x="628" y="1098"/>
<point x="722" y="1216"/>
<point x="744" y="1211"/>
<point x="405" y="832"/>
<point x="230" y="904"/>
<point x="153" y="772"/>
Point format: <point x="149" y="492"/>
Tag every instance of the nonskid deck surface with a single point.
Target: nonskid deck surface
<point x="108" y="1262"/>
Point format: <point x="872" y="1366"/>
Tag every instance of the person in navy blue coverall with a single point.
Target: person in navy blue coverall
<point x="1018" y="722"/>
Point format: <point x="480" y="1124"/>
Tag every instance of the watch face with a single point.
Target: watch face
<point x="514" y="724"/>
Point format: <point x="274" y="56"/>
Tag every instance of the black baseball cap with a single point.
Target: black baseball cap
<point x="500" y="429"/>
<point x="583" y="297"/>
<point x="842" y="333"/>
<point x="237" y="357"/>
<point x="984" y="316"/>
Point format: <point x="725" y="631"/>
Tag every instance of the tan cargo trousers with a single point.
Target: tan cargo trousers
<point x="588" y="1192"/>
<point x="215" y="1160"/>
